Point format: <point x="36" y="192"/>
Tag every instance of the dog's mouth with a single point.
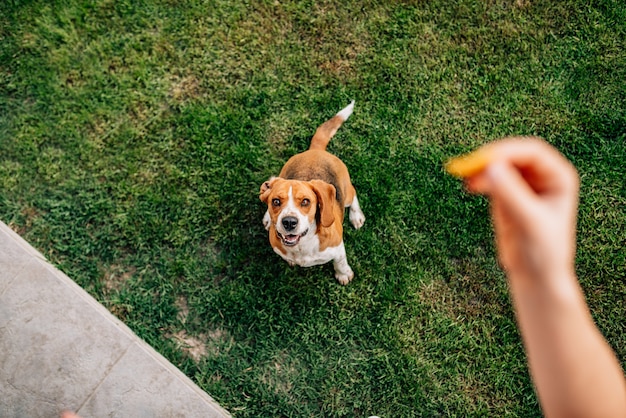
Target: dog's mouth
<point x="291" y="239"/>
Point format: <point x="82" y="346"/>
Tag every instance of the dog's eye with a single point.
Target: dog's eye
<point x="276" y="202"/>
<point x="305" y="202"/>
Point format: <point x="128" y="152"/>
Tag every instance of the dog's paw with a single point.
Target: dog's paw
<point x="345" y="277"/>
<point x="357" y="219"/>
<point x="267" y="222"/>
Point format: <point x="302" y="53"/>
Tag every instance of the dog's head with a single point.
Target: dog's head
<point x="295" y="207"/>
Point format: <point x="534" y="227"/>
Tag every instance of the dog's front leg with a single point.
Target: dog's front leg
<point x="357" y="219"/>
<point x="343" y="272"/>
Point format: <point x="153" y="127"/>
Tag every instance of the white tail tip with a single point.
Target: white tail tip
<point x="345" y="113"/>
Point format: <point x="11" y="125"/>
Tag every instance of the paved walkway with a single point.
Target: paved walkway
<point x="60" y="349"/>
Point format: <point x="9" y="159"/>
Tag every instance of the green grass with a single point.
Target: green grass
<point x="134" y="136"/>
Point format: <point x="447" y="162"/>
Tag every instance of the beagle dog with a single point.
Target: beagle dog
<point x="307" y="201"/>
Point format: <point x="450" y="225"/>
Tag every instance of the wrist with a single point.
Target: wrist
<point x="556" y="287"/>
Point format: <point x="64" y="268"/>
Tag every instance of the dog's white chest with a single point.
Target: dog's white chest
<point x="307" y="253"/>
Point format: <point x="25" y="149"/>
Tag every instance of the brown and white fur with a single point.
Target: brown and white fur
<point x="307" y="201"/>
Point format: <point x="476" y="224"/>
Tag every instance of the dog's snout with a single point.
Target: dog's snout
<point x="290" y="223"/>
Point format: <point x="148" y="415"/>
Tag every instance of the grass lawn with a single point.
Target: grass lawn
<point x="134" y="136"/>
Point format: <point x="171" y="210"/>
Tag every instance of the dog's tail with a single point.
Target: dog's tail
<point x="328" y="129"/>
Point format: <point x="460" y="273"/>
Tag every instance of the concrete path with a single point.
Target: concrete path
<point x="60" y="349"/>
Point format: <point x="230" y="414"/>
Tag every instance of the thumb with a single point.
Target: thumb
<point x="508" y="189"/>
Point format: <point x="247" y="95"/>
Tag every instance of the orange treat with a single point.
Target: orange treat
<point x="470" y="164"/>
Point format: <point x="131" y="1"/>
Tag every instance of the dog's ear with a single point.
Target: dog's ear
<point x="266" y="187"/>
<point x="325" y="200"/>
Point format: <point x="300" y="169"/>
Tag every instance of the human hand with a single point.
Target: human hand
<point x="533" y="191"/>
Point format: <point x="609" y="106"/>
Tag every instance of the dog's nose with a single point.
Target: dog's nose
<point x="290" y="223"/>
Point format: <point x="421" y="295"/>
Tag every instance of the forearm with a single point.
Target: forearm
<point x="573" y="368"/>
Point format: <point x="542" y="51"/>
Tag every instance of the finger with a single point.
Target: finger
<point x="542" y="166"/>
<point x="479" y="183"/>
<point x="510" y="191"/>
